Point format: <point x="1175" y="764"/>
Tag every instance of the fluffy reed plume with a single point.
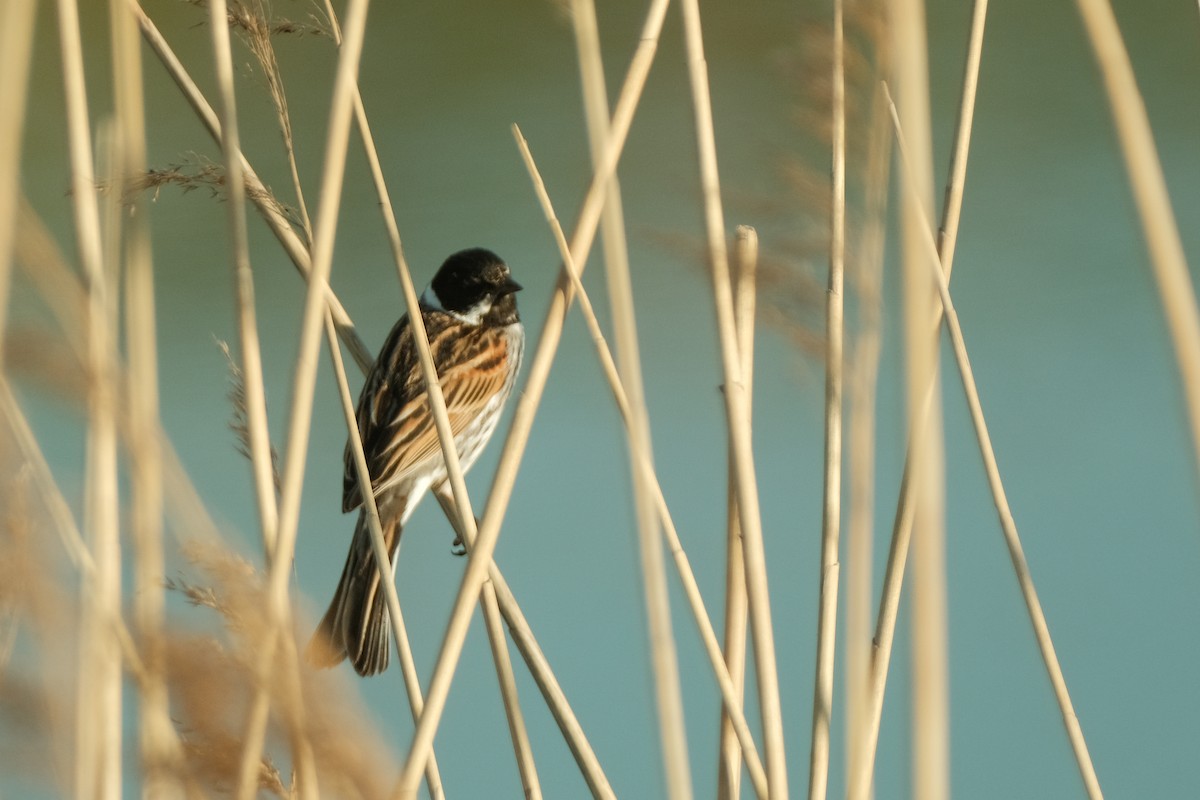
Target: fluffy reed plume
<point x="792" y="266"/>
<point x="33" y="717"/>
<point x="196" y="171"/>
<point x="254" y="20"/>
<point x="212" y="681"/>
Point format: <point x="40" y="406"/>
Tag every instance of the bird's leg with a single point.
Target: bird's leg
<point x="445" y="498"/>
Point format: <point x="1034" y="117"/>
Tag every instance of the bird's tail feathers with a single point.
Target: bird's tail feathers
<point x="356" y="624"/>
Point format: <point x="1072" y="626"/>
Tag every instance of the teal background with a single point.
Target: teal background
<point x="1052" y="284"/>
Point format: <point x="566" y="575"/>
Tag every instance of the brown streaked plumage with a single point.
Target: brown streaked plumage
<point x="476" y="339"/>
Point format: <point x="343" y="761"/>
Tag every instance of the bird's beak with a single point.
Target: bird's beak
<point x="509" y="287"/>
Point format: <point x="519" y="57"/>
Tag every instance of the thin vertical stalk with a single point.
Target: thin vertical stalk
<point x="16" y="46"/>
<point x="889" y="602"/>
<point x="736" y="408"/>
<point x="957" y="179"/>
<point x="818" y="778"/>
<point x="98" y="723"/>
<point x="304" y="381"/>
<point x="1007" y="525"/>
<point x="158" y="744"/>
<point x="729" y="772"/>
<point x="1167" y="258"/>
<point x="930" y="678"/>
<point x="102" y="492"/>
<point x="863" y="372"/>
<point x="663" y="656"/>
<point x="514" y="446"/>
<point x="239" y="260"/>
<point x="256" y="409"/>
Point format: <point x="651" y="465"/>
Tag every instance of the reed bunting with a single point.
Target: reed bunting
<point x="476" y="338"/>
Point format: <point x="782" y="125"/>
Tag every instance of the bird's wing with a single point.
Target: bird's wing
<point x="394" y="418"/>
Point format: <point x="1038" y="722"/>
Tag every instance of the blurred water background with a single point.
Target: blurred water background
<point x="1052" y="284"/>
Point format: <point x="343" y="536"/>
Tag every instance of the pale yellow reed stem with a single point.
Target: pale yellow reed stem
<point x="158" y="744"/>
<point x="864" y="373"/>
<point x="737" y="411"/>
<point x="304" y="381"/>
<point x="818" y="777"/>
<point x="1167" y="258"/>
<point x="261" y="464"/>
<point x="16" y="46"/>
<point x="256" y="413"/>
<point x="98" y="726"/>
<point x="929" y="673"/>
<point x="729" y="773"/>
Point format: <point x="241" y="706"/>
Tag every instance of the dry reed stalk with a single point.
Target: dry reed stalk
<point x="818" y="779"/>
<point x="408" y="668"/>
<point x="102" y="491"/>
<point x="158" y="743"/>
<point x="732" y="703"/>
<point x="254" y="396"/>
<point x="98" y="711"/>
<point x="729" y="771"/>
<point x="1175" y="288"/>
<point x="16" y="47"/>
<point x="861" y="777"/>
<point x="261" y="462"/>
<point x="663" y="657"/>
<point x="737" y="412"/>
<point x="929" y="673"/>
<point x="502" y="484"/>
<point x="1016" y="552"/>
<point x="957" y="179"/>
<point x="863" y="371"/>
<point x="257" y="192"/>
<point x="304" y="380"/>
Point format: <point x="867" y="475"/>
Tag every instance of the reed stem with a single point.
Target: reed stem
<point x="830" y="573"/>
<point x="737" y="412"/>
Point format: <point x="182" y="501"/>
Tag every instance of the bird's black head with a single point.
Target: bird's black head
<point x="475" y="285"/>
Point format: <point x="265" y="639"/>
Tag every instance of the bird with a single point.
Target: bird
<point x="477" y="340"/>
